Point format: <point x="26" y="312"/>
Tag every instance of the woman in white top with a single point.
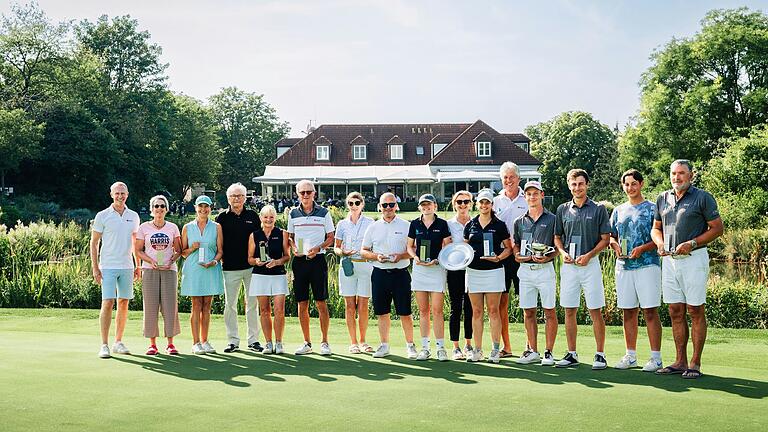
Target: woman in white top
<point x="354" y="271"/>
<point x="457" y="287"/>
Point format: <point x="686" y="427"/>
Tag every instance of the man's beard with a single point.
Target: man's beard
<point x="681" y="187"/>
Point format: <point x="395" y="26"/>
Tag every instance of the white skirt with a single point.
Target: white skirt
<point x="432" y="279"/>
<point x="268" y="285"/>
<point x="359" y="284"/>
<point x="485" y="281"/>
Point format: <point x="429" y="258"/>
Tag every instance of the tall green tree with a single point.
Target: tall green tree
<point x="19" y="140"/>
<point x="706" y="87"/>
<point x="248" y="130"/>
<point x="575" y="140"/>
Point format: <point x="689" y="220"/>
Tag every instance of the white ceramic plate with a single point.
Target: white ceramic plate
<point x="456" y="256"/>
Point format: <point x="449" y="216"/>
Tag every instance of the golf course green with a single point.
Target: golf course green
<point x="52" y="379"/>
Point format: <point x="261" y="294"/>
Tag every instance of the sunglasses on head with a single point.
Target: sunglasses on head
<point x="466" y="201"/>
<point x="354" y="203"/>
<point x="306" y="192"/>
<point x="388" y="205"/>
<point x="159" y="206"/>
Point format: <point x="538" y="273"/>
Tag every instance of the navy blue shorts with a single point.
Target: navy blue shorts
<point x="310" y="273"/>
<point x="391" y="285"/>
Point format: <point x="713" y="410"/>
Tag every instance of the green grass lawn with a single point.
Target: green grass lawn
<point x="51" y="379"/>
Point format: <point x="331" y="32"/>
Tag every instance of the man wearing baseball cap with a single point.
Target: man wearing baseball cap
<point x="534" y="248"/>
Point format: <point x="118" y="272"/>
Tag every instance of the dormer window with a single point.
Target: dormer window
<point x="323" y="152"/>
<point x="396" y="151"/>
<point x="483" y="149"/>
<point x="359" y="152"/>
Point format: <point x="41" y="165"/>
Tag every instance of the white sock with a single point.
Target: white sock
<point x="440" y="343"/>
<point x="410" y="344"/>
<point x="425" y="342"/>
<point x="572" y="352"/>
<point x="632" y="353"/>
<point x="600" y="353"/>
<point x="385" y="345"/>
<point x="656" y="355"/>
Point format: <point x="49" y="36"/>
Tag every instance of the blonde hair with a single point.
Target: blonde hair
<point x="157" y="198"/>
<point x="268" y="209"/>
<point x="459" y="193"/>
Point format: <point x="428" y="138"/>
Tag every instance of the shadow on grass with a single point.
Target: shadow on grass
<point x="228" y="368"/>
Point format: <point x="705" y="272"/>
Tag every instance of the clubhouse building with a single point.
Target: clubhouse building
<point x="407" y="159"/>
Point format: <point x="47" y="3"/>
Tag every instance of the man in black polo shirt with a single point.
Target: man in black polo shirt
<point x="237" y="225"/>
<point x="686" y="220"/>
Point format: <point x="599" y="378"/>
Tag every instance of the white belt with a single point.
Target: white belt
<point x="534" y="266"/>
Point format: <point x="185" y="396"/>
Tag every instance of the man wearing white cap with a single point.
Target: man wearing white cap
<point x="534" y="249"/>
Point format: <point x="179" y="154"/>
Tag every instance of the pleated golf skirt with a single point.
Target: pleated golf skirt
<point x="432" y="279"/>
<point x="485" y="281"/>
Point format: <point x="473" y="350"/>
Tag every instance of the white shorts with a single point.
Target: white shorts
<point x="537" y="280"/>
<point x="359" y="284"/>
<point x="684" y="280"/>
<point x="639" y="287"/>
<point x="485" y="281"/>
<point x="264" y="285"/>
<point x="431" y="279"/>
<point x="574" y="278"/>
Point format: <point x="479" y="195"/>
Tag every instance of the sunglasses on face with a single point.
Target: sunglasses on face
<point x="306" y="192"/>
<point x="388" y="205"/>
<point x="353" y="203"/>
<point x="160" y="206"/>
<point x="464" y="202"/>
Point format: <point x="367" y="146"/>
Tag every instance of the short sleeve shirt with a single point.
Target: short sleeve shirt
<point x="434" y="234"/>
<point x="387" y="238"/>
<point x="351" y="234"/>
<point x="541" y="230"/>
<point x="474" y="233"/>
<point x="117" y="234"/>
<point x="634" y="224"/>
<point x="457" y="230"/>
<point x="510" y="209"/>
<point x="588" y="222"/>
<point x="158" y="241"/>
<point x="688" y="215"/>
<point x="237" y="228"/>
<point x="274" y="246"/>
<point x="311" y="227"/>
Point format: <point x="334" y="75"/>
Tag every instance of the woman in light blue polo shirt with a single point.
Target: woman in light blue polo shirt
<point x="202" y="277"/>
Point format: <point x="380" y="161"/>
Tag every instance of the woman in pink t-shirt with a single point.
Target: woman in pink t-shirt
<point x="158" y="245"/>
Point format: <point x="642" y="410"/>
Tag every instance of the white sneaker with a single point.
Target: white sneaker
<point x="442" y="354"/>
<point x="325" y="349"/>
<point x="411" y="351"/>
<point x="423" y="354"/>
<point x="458" y="354"/>
<point x="568" y="360"/>
<point x="468" y="350"/>
<point x="198" y="349"/>
<point x="626" y="362"/>
<point x="599" y="363"/>
<point x="494" y="356"/>
<point x="529" y="357"/>
<point x="208" y="348"/>
<point x="305" y="348"/>
<point x="268" y="348"/>
<point x="548" y="359"/>
<point x="475" y="356"/>
<point x="120" y="348"/>
<point x="104" y="351"/>
<point x="381" y="352"/>
<point x="653" y="365"/>
<point x="279" y="348"/>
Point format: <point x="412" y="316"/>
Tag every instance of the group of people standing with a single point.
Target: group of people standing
<point x="514" y="239"/>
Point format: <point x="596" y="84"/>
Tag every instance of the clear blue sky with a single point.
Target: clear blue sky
<point x="395" y="61"/>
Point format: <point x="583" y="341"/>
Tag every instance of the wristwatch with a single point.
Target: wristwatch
<point x="694" y="243"/>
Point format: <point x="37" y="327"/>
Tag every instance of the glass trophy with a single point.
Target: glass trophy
<point x="425" y="250"/>
<point x="488" y="245"/>
<point x="670" y="238"/>
<point x="574" y="248"/>
<point x="525" y="243"/>
<point x="624" y="247"/>
<point x="300" y="246"/>
<point x="160" y="258"/>
<point x="201" y="254"/>
<point x="264" y="252"/>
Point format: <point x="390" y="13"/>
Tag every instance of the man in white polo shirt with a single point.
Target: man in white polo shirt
<point x="686" y="220"/>
<point x="509" y="205"/>
<point x="384" y="244"/>
<point x="113" y="265"/>
<point x="310" y="228"/>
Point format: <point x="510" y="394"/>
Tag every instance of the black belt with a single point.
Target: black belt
<point x="391" y="270"/>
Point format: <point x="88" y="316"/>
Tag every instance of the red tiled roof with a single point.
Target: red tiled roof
<point x="460" y="151"/>
<point x="517" y="137"/>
